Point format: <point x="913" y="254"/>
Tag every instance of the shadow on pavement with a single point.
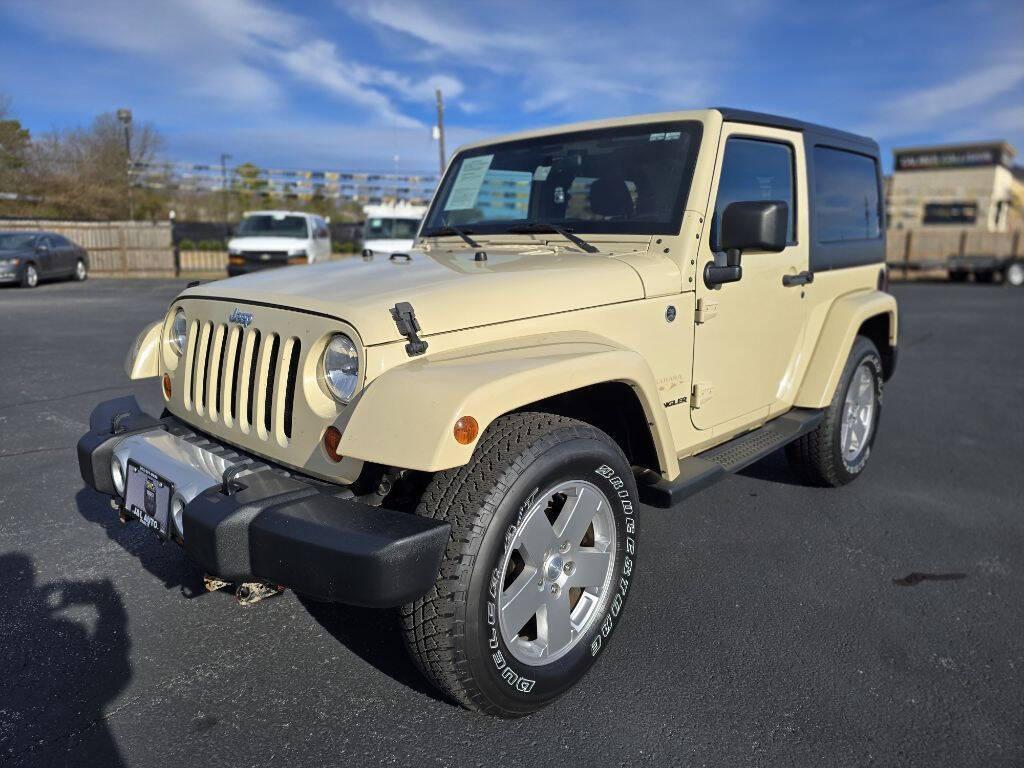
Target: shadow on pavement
<point x="375" y="637"/>
<point x="165" y="561"/>
<point x="773" y="468"/>
<point x="66" y="648"/>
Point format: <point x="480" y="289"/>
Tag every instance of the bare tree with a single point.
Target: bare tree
<point x="82" y="173"/>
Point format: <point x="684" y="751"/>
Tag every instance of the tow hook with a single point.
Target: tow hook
<point x="212" y="583"/>
<point x="251" y="592"/>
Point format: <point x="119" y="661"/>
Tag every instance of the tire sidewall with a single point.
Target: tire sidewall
<point x="863" y="352"/>
<point x="1015" y="268"/>
<point x="520" y="688"/>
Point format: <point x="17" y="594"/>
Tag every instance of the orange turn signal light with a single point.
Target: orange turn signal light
<point x="466" y="430"/>
<point x="236" y="261"/>
<point x="167" y="386"/>
<point x="332" y="439"/>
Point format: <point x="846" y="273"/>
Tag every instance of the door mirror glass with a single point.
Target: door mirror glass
<point x="755" y="225"/>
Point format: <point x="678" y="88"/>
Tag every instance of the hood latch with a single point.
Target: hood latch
<point x="405" y="320"/>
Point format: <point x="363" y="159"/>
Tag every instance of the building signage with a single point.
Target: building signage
<point x="950" y="213"/>
<point x="952" y="157"/>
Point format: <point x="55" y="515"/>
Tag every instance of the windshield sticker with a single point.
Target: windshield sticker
<point x="657" y="137"/>
<point x="541" y="174"/>
<point x="467" y="184"/>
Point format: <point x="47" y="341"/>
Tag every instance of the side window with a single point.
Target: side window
<point x="753" y="169"/>
<point x="845" y="196"/>
<point x="60" y="242"/>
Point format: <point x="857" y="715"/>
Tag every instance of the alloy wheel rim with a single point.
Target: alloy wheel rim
<point x="858" y="414"/>
<point x="556" y="574"/>
<point x="32" y="277"/>
<point x="1015" y="274"/>
<point x="80" y="270"/>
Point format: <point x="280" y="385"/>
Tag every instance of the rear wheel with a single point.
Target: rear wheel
<point x="81" y="271"/>
<point x="1014" y="274"/>
<point x="958" y="276"/>
<point x="30" y="277"/>
<point x="537" y="569"/>
<point x="837" y="451"/>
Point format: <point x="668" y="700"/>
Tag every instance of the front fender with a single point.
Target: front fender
<point x="844" y="319"/>
<point x="406" y="416"/>
<point x="143" y="359"/>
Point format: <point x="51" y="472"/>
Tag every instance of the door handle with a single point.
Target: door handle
<point x="802" y="278"/>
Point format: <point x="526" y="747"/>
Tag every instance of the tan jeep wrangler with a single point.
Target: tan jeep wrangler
<point x="592" y="317"/>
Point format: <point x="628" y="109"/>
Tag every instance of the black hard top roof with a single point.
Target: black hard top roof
<point x="774" y="121"/>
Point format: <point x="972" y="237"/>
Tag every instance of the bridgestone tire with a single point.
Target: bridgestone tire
<point x="818" y="456"/>
<point x="452" y="633"/>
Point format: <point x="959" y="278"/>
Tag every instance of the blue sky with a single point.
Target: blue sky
<point x="350" y="84"/>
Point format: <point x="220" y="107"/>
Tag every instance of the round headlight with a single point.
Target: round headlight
<point x="179" y="330"/>
<point x="340" y="368"/>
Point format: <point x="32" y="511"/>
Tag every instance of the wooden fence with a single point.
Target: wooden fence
<point x="145" y="249"/>
<point x="116" y="248"/>
<point x="922" y="249"/>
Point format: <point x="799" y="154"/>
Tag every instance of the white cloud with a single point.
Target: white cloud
<point x="234" y="52"/>
<point x="927" y="108"/>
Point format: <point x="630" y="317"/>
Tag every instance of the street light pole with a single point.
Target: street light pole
<point x="440" y="128"/>
<point x="224" y="157"/>
<point x="125" y="116"/>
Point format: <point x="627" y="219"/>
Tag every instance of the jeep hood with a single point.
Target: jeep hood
<point x="449" y="290"/>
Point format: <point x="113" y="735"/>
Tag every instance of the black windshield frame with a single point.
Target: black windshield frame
<point x="692" y="129"/>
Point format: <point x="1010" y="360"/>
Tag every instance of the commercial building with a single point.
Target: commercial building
<point x="962" y="186"/>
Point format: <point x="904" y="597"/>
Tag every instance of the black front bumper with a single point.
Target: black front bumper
<point x="234" y="270"/>
<point x="282" y="529"/>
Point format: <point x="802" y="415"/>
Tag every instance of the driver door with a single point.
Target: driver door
<point x="749" y="333"/>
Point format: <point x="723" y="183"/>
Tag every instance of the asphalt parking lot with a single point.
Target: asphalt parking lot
<point x="770" y="623"/>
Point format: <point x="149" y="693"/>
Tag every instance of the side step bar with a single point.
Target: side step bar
<point x="698" y="472"/>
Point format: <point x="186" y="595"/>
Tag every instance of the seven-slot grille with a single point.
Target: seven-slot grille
<point x="242" y="377"/>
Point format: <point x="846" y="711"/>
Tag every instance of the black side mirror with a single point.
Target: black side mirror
<point x="751" y="225"/>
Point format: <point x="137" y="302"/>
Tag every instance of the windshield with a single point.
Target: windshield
<point x="273" y="225"/>
<point x="15" y="240"/>
<point x="390" y="229"/>
<point x="627" y="180"/>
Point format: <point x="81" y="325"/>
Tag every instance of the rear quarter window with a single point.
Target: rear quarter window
<point x="846" y="204"/>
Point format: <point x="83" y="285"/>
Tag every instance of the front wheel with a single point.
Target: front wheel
<point x="30" y="277"/>
<point x="538" y="566"/>
<point x="837" y="451"/>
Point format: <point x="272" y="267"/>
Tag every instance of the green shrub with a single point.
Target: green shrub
<point x="186" y="245"/>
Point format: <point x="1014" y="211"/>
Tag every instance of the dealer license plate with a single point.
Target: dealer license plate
<point x="148" y="497"/>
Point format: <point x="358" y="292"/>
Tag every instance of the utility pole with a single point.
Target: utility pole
<point x="440" y="128"/>
<point x="125" y="116"/>
<point x="224" y="189"/>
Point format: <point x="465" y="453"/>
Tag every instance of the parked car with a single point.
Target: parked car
<point x="26" y="258"/>
<point x="594" y="316"/>
<point x="391" y="227"/>
<point x="267" y="239"/>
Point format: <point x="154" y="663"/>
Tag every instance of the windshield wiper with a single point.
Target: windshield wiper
<point x="538" y="228"/>
<point x="448" y="229"/>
